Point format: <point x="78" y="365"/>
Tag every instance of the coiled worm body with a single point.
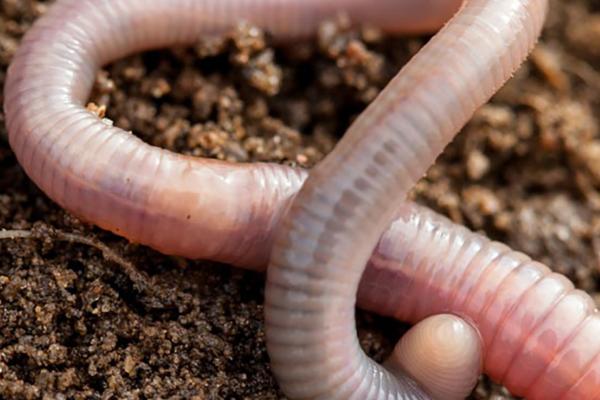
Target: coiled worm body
<point x="539" y="334"/>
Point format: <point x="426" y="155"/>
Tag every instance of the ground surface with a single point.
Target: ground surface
<point x="526" y="171"/>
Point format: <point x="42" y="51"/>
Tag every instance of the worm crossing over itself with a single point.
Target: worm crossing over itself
<point x="317" y="233"/>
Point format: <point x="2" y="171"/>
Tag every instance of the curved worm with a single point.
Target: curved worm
<point x="107" y="176"/>
<point x="335" y="221"/>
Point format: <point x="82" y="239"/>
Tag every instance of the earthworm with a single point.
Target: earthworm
<point x="326" y="238"/>
<point x="109" y="177"/>
<point x="540" y="335"/>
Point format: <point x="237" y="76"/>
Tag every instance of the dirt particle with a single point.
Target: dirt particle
<point x="477" y="165"/>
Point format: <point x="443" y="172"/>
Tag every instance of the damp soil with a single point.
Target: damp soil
<point x="85" y="314"/>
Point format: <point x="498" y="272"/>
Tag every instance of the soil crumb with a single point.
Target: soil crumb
<point x="98" y="317"/>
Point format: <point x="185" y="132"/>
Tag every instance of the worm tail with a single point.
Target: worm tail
<point x="540" y="335"/>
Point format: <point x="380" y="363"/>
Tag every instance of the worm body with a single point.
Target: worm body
<point x="335" y="221"/>
<point x="108" y="176"/>
<point x="540" y="335"/>
<point x="111" y="178"/>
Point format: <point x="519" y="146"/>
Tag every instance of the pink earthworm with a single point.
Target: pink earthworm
<point x="541" y="337"/>
<point x="532" y="323"/>
<point x="109" y="177"/>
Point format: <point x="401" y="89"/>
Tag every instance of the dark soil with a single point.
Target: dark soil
<point x="77" y="320"/>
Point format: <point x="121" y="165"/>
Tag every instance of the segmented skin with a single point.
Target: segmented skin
<point x="111" y="178"/>
<point x="540" y="334"/>
<point x="326" y="239"/>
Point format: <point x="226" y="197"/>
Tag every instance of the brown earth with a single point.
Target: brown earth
<point x="77" y="320"/>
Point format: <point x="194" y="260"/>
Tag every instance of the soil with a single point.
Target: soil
<point x="84" y="314"/>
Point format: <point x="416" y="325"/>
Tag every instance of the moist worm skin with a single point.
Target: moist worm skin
<point x="109" y="177"/>
<point x="178" y="205"/>
<point x="334" y="223"/>
<point x="540" y="335"/>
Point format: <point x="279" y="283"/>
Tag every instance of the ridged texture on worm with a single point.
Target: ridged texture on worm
<point x="178" y="205"/>
<point x="325" y="241"/>
<point x="110" y="178"/>
<point x="541" y="336"/>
